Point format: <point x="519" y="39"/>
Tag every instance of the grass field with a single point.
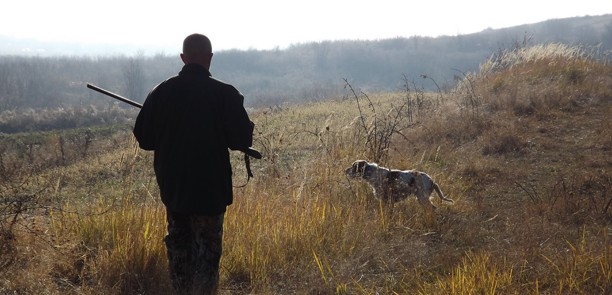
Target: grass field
<point x="524" y="147"/>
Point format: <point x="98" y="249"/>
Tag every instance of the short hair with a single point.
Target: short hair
<point x="196" y="44"/>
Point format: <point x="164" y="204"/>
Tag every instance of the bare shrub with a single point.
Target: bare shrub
<point x="379" y="129"/>
<point x="30" y="120"/>
<point x="503" y="144"/>
<point x="416" y="104"/>
<point x="572" y="198"/>
<point x="470" y="101"/>
<point x="20" y="200"/>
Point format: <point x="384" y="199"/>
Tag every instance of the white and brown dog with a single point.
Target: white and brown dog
<point x="392" y="185"/>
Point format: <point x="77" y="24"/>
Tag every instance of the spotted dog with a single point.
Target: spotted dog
<point x="391" y="185"/>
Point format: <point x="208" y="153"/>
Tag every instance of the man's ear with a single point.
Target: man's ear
<point x="209" y="61"/>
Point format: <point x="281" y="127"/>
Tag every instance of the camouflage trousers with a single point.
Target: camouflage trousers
<point x="194" y="245"/>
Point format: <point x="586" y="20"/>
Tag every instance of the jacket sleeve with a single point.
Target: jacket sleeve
<point x="238" y="126"/>
<point x="144" y="127"/>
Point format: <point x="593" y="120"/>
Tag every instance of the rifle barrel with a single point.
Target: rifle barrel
<point x="114" y="95"/>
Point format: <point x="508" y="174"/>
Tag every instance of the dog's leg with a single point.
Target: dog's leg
<point x="386" y="211"/>
<point x="386" y="203"/>
<point x="423" y="199"/>
<point x="390" y="205"/>
<point x="437" y="188"/>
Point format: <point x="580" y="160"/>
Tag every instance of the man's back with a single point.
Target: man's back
<point x="190" y="121"/>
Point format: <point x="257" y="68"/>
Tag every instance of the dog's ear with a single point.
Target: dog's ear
<point x="366" y="170"/>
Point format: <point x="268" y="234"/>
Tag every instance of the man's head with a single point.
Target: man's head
<point x="197" y="49"/>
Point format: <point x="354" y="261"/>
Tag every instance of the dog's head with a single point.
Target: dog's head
<point x="360" y="169"/>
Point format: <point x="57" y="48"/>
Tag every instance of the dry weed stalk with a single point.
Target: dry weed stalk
<point x="379" y="129"/>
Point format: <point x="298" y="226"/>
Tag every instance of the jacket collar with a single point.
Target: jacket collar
<point x="194" y="70"/>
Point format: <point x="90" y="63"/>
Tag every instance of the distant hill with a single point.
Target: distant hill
<point x="307" y="71"/>
<point x="594" y="29"/>
<point x="388" y="63"/>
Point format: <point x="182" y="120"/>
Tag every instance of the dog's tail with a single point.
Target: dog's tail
<point x="437" y="188"/>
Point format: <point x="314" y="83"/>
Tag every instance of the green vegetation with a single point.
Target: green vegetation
<point x="522" y="146"/>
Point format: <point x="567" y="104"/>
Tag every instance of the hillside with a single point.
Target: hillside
<point x="297" y="74"/>
<point x="522" y="146"/>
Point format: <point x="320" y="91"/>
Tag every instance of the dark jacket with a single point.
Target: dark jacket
<point x="190" y="121"/>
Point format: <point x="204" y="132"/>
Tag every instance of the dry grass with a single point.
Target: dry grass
<point x="523" y="148"/>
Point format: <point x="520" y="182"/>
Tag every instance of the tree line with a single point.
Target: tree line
<point x="308" y="71"/>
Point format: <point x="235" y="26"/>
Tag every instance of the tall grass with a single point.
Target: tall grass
<point x="582" y="268"/>
<point x="123" y="246"/>
<point x="534" y="80"/>
<point x="477" y="274"/>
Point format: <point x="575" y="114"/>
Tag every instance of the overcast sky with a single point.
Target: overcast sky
<point x="266" y="24"/>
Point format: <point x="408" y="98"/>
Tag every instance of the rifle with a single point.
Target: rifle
<point x="247" y="152"/>
<point x="113" y="95"/>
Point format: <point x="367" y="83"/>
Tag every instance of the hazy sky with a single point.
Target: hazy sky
<point x="266" y="24"/>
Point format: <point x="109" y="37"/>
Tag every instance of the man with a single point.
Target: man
<point x="190" y="121"/>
